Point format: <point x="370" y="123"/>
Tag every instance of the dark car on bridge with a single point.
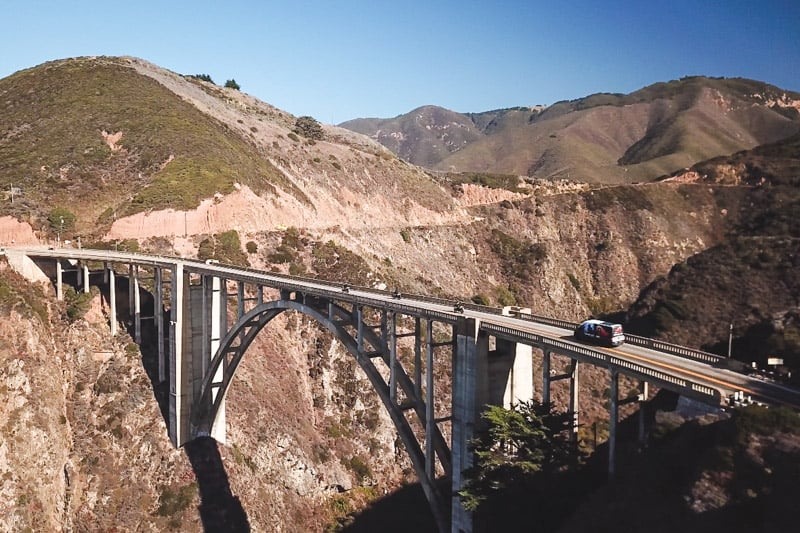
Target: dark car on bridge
<point x="600" y="332"/>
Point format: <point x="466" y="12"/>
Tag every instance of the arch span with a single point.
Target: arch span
<point x="349" y="327"/>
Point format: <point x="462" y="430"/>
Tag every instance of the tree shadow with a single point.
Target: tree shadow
<point x="220" y="510"/>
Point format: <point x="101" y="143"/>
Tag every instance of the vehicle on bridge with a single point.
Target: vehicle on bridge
<point x="601" y="332"/>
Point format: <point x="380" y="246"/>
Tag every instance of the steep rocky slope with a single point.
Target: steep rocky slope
<point x="79" y="409"/>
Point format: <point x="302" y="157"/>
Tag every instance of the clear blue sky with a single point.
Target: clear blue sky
<point x="337" y="60"/>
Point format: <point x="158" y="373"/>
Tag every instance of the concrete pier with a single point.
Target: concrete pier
<point x="612" y="425"/>
<point x="112" y="298"/>
<point x="470" y="394"/>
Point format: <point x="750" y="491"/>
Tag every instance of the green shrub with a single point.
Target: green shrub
<point x="508" y="182"/>
<point x="358" y="467"/>
<point x="206" y="249"/>
<point x="481" y="299"/>
<point x="77" y="303"/>
<point x="602" y="246"/>
<point x="294" y="137"/>
<point x="292" y="238"/>
<point x="406" y="235"/>
<point x="297" y="269"/>
<point x="334" y="262"/>
<point x="241" y="458"/>
<point x="251" y="247"/>
<point x="231" y="84"/>
<point x="574" y="281"/>
<point x="61" y="219"/>
<point x="308" y="127"/>
<point x="225" y="247"/>
<point x="282" y="254"/>
<point x="504" y="296"/>
<point x="175" y="501"/>
<point x="128" y="245"/>
<point x="230" y="241"/>
<point x="517" y="256"/>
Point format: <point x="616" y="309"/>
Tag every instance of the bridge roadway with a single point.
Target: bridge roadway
<point x="712" y="374"/>
<point x="197" y="396"/>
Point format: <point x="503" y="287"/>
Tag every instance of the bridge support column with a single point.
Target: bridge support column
<point x="112" y="298"/>
<point x="642" y="412"/>
<point x="199" y="317"/>
<point x="430" y="412"/>
<point x="574" y="394"/>
<point x="418" y="359"/>
<point x="85" y="272"/>
<point x="131" y="276"/>
<point x="612" y="424"/>
<point x="137" y="307"/>
<point x="392" y="338"/>
<point x="158" y="313"/>
<point x="218" y="317"/>
<point x="59" y="281"/>
<point x="470" y="394"/>
<point x="546" y="378"/>
<point x="510" y="373"/>
<point x="179" y="397"/>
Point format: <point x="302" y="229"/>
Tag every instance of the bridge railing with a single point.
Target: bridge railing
<point x="673" y="349"/>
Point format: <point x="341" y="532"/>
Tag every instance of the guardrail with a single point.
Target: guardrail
<point x="673" y="349"/>
<point x="657" y="377"/>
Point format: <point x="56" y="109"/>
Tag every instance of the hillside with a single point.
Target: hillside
<point x="752" y="279"/>
<point x="129" y="138"/>
<point x="603" y="138"/>
<point x="192" y="169"/>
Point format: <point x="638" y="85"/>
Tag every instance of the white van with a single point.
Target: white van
<point x="601" y="332"/>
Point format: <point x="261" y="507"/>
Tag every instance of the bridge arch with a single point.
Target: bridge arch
<point x="341" y="323"/>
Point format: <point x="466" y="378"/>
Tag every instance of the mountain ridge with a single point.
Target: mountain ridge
<point x="655" y="130"/>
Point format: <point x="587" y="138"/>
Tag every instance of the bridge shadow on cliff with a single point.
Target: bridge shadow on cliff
<point x="220" y="510"/>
